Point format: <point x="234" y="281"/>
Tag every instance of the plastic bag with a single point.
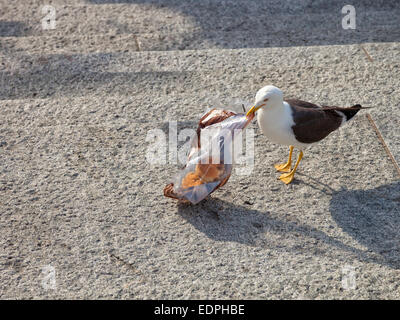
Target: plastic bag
<point x="210" y="159"/>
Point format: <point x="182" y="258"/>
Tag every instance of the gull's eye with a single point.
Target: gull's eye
<point x="265" y="100"/>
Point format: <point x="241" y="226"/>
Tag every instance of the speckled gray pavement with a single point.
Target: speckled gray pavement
<point x="82" y="214"/>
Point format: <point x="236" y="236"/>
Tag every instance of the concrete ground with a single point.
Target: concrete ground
<point x="82" y="215"/>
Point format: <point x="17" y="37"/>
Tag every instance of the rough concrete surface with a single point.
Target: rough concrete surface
<point x="78" y="197"/>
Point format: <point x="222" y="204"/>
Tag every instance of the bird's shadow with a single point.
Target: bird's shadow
<point x="371" y="217"/>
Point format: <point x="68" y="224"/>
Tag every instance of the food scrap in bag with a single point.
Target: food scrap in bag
<point x="205" y="171"/>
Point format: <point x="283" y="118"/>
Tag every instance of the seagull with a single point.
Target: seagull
<point x="296" y="123"/>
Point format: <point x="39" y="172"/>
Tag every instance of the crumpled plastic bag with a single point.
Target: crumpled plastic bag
<point x="210" y="159"/>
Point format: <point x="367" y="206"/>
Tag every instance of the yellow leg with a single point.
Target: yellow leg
<point x="286" y="166"/>
<point x="288" y="177"/>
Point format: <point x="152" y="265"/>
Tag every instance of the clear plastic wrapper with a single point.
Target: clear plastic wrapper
<point x="210" y="159"/>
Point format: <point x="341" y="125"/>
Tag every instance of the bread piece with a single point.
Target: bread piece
<point x="210" y="172"/>
<point x="190" y="180"/>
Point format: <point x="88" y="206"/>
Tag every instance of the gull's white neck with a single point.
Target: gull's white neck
<point x="271" y="113"/>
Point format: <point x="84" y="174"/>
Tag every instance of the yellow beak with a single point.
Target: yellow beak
<point x="253" y="109"/>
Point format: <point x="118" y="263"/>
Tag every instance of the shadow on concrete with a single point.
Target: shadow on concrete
<point x="273" y="23"/>
<point x="69" y="75"/>
<point x="372" y="217"/>
<point x="360" y="213"/>
<point x="13" y="29"/>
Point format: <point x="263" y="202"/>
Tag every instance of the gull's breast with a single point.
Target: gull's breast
<point x="276" y="124"/>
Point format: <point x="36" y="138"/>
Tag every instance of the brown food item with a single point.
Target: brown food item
<point x="204" y="173"/>
<point x="192" y="179"/>
<point x="210" y="172"/>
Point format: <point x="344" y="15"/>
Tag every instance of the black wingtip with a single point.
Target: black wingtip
<point x="352" y="111"/>
<point x="358" y="106"/>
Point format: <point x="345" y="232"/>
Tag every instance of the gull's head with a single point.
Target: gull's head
<point x="268" y="96"/>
